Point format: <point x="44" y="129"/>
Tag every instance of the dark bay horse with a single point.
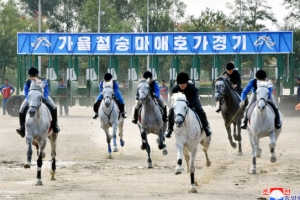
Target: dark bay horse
<point x="230" y="109"/>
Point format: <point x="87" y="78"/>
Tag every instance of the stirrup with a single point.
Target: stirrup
<point x="278" y="126"/>
<point x="21" y="132"/>
<point x="134" y="121"/>
<point x="244" y="126"/>
<point x="124" y="114"/>
<point x="218" y="110"/>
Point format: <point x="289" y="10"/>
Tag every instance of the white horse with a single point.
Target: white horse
<point x="261" y="124"/>
<point x="188" y="134"/>
<point x="38" y="123"/>
<point x="109" y="117"/>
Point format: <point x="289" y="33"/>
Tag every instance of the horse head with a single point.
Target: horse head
<point x="222" y="86"/>
<point x="180" y="107"/>
<point x="143" y="90"/>
<point x="262" y="94"/>
<point x="35" y="96"/>
<point x="108" y="92"/>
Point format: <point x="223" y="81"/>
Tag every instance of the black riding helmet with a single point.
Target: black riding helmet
<point x="147" y="75"/>
<point x="32" y="71"/>
<point x="107" y="76"/>
<point x="182" y="78"/>
<point x="230" y="66"/>
<point x="261" y="74"/>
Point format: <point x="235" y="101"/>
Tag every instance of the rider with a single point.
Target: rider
<point x="33" y="74"/>
<point x="117" y="94"/>
<point x="191" y="92"/>
<point x="260" y="75"/>
<point x="156" y="93"/>
<point x="235" y="79"/>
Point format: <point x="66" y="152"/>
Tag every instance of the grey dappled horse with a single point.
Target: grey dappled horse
<point x="261" y="124"/>
<point x="109" y="117"/>
<point x="150" y="119"/>
<point x="188" y="134"/>
<point x="38" y="123"/>
<point x="230" y="109"/>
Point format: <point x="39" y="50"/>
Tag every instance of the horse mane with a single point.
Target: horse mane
<point x="224" y="78"/>
<point x="36" y="84"/>
<point x="108" y="84"/>
<point x="178" y="96"/>
<point x="266" y="84"/>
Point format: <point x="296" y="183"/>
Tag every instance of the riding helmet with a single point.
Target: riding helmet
<point x="182" y="78"/>
<point x="261" y="74"/>
<point x="147" y="75"/>
<point x="230" y="66"/>
<point x="32" y="71"/>
<point x="108" y="76"/>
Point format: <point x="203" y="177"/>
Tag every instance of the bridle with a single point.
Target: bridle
<point x="179" y="114"/>
<point x="218" y="86"/>
<point x="110" y="100"/>
<point x="37" y="107"/>
<point x="263" y="99"/>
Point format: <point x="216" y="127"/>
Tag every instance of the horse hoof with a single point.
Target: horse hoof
<point x="39" y="182"/>
<point x="27" y="165"/>
<point x="240" y="153"/>
<point x="177" y="171"/>
<point x="44" y="155"/>
<point x="149" y="165"/>
<point x="109" y="156"/>
<point x="122" y="143"/>
<point x="273" y="159"/>
<point x="253" y="170"/>
<point x="116" y="149"/>
<point x="233" y="145"/>
<point x="143" y="147"/>
<point x="165" y="152"/>
<point x="192" y="189"/>
<point x="208" y="163"/>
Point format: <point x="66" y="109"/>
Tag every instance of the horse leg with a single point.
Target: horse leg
<point x="120" y="126"/>
<point x="115" y="137"/>
<point x="187" y="159"/>
<point x="146" y="144"/>
<point x="206" y="143"/>
<point x="256" y="147"/>
<point x="234" y="132"/>
<point x="179" y="148"/>
<point x="161" y="144"/>
<point x="239" y="139"/>
<point x="53" y="138"/>
<point x="34" y="143"/>
<point x="233" y="144"/>
<point x="108" y="139"/>
<point x="40" y="163"/>
<point x="272" y="146"/>
<point x="29" y="140"/>
<point x="192" y="171"/>
<point x="253" y="166"/>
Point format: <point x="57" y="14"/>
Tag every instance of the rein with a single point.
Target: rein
<point x="179" y="114"/>
<point x="108" y="115"/>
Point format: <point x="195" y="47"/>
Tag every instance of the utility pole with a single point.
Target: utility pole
<point x="148" y="67"/>
<point x="39" y="21"/>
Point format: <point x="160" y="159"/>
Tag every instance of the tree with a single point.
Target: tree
<point x="11" y="22"/>
<point x="254" y="15"/>
<point x="294" y="7"/>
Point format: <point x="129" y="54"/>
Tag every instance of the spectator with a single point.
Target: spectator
<point x="6" y="90"/>
<point x="124" y="84"/>
<point x="164" y="91"/>
<point x="65" y="105"/>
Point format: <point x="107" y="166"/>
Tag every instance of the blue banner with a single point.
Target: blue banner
<point x="178" y="43"/>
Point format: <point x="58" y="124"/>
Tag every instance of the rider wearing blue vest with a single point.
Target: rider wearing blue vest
<point x="117" y="94"/>
<point x="191" y="92"/>
<point x="33" y="73"/>
<point x="260" y="75"/>
<point x="156" y="93"/>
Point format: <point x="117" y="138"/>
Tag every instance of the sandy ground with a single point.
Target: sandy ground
<point x="84" y="172"/>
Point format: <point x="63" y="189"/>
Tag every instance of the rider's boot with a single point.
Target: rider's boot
<point x="135" y="116"/>
<point x="165" y="114"/>
<point x="277" y="119"/>
<point x="170" y="123"/>
<point x="54" y="124"/>
<point x="245" y="121"/>
<point x="205" y="123"/>
<point x="123" y="113"/>
<point x="219" y="108"/>
<point x="96" y="108"/>
<point x="21" y="130"/>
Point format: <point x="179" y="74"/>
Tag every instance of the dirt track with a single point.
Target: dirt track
<point x="83" y="172"/>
